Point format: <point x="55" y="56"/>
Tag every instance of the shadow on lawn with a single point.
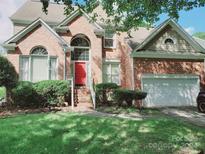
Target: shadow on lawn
<point x="71" y="133"/>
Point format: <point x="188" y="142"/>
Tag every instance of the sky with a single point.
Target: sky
<point x="192" y="21"/>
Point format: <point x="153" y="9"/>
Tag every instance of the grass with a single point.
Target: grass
<point x="85" y="134"/>
<point x="2" y="92"/>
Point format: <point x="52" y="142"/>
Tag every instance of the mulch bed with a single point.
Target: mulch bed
<point x="12" y="111"/>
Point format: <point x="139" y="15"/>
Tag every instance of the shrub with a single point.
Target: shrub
<point x="8" y="77"/>
<point x="24" y="95"/>
<point x="104" y="92"/>
<point x="53" y="91"/>
<point x="125" y="95"/>
<point x="139" y="95"/>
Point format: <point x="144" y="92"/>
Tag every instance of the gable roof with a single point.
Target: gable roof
<point x="75" y="14"/>
<point x="178" y="29"/>
<point x="29" y="28"/>
<point x="32" y="10"/>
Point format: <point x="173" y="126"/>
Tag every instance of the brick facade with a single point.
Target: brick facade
<point x="165" y="66"/>
<point x="41" y="36"/>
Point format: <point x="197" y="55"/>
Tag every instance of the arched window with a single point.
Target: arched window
<point x="169" y="41"/>
<point x="39" y="51"/>
<point x="81" y="48"/>
<point x="80" y="42"/>
<point x="38" y="66"/>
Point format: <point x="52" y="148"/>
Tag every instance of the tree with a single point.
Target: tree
<point x="200" y="35"/>
<point x="8" y="77"/>
<point x="132" y="13"/>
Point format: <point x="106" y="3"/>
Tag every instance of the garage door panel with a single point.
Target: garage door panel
<point x="170" y="91"/>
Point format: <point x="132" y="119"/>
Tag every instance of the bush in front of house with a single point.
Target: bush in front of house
<point x="124" y="95"/>
<point x="8" y="77"/>
<point x="25" y="96"/>
<point x="53" y="92"/>
<point x="104" y="93"/>
<point x="139" y="95"/>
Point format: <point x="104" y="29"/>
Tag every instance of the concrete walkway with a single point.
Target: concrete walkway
<point x="187" y="114"/>
<point x="190" y="115"/>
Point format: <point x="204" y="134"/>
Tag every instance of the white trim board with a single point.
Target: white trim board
<point x="166" y="76"/>
<point x="75" y="14"/>
<point x="178" y="29"/>
<point x="29" y="28"/>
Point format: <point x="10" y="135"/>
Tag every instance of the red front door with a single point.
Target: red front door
<point x="80" y="73"/>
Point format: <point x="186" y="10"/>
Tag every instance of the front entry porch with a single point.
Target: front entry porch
<point x="81" y="72"/>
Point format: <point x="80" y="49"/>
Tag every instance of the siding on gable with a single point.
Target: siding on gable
<point x="157" y="44"/>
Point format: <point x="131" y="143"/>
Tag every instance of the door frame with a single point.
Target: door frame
<point x="87" y="70"/>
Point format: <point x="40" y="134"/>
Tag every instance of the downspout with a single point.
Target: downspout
<point x="65" y="76"/>
<point x="65" y="50"/>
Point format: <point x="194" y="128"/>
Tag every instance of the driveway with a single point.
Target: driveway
<point x="188" y="114"/>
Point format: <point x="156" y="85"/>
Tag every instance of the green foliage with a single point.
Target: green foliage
<point x="125" y="95"/>
<point x="53" y="91"/>
<point x="104" y="92"/>
<point x="24" y="95"/>
<point x="106" y="86"/>
<point x="200" y="35"/>
<point x="43" y="93"/>
<point x="133" y="13"/>
<point x="8" y="75"/>
<point x="2" y="92"/>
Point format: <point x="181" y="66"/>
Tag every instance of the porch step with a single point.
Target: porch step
<point x="82" y="95"/>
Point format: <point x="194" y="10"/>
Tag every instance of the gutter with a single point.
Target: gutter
<point x="11" y="46"/>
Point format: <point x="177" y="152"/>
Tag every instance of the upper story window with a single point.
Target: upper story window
<point x="81" y="48"/>
<point x="169" y="41"/>
<point x="109" y="40"/>
<point x="80" y="42"/>
<point x="39" y="51"/>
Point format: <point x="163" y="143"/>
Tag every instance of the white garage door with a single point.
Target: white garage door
<point x="172" y="90"/>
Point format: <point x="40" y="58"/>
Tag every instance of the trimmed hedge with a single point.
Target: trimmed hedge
<point x="53" y="91"/>
<point x="125" y="95"/>
<point x="24" y="95"/>
<point x="43" y="93"/>
<point x="104" y="92"/>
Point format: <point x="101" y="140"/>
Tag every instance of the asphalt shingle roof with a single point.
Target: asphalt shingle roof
<point x="31" y="10"/>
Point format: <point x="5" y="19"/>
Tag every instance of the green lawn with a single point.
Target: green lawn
<point x="70" y="133"/>
<point x="2" y="92"/>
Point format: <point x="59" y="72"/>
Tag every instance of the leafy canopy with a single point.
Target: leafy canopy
<point x="131" y="13"/>
<point x="200" y="35"/>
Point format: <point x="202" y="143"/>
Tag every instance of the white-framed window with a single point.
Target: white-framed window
<point x="53" y="68"/>
<point x="169" y="41"/>
<point x="24" y="68"/>
<point x="109" y="40"/>
<point x="81" y="46"/>
<point x="111" y="72"/>
<point x="38" y="66"/>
